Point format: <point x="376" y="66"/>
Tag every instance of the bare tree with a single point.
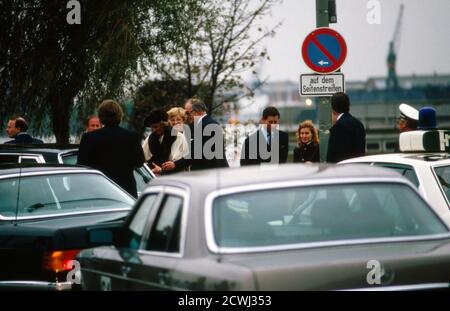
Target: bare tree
<point x="219" y="45"/>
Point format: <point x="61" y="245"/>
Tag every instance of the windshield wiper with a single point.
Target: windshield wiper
<point x="94" y="199"/>
<point x="34" y="207"/>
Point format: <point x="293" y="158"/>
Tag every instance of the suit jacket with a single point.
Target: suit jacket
<point x="197" y="159"/>
<point x="252" y="155"/>
<point x="347" y="139"/>
<point x="24" y="138"/>
<point x="116" y="152"/>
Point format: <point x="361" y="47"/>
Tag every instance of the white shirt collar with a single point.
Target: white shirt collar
<point x="201" y="118"/>
<point x="339" y="116"/>
<point x="265" y="132"/>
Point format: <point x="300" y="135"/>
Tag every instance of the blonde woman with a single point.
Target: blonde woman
<point x="308" y="144"/>
<point x="177" y="118"/>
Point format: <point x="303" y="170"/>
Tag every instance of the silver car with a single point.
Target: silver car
<point x="291" y="227"/>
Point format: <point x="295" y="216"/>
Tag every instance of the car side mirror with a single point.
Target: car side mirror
<point x="101" y="237"/>
<point x="104" y="234"/>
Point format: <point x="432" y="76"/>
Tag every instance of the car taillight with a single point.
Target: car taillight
<point x="57" y="261"/>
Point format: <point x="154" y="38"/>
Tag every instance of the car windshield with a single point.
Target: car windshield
<point x="60" y="193"/>
<point x="443" y="177"/>
<point x="141" y="175"/>
<point x="321" y="213"/>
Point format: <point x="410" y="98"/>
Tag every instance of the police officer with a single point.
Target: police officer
<point x="409" y="118"/>
<point x="408" y="121"/>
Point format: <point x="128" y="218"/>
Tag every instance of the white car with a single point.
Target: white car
<point x="429" y="171"/>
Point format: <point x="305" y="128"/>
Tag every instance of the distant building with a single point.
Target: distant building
<point x="372" y="103"/>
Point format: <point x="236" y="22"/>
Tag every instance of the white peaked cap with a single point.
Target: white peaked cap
<point x="409" y="112"/>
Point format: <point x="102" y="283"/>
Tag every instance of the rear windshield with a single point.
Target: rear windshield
<point x="61" y="193"/>
<point x="321" y="213"/>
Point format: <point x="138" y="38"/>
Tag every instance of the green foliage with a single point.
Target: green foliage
<point x="48" y="67"/>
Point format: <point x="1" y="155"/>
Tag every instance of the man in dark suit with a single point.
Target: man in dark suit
<point x="112" y="149"/>
<point x="347" y="135"/>
<point x="207" y="149"/>
<point x="268" y="144"/>
<point x="17" y="129"/>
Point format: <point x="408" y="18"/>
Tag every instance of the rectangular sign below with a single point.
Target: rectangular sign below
<point x="321" y="85"/>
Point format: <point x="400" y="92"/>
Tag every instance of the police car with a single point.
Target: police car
<point x="425" y="161"/>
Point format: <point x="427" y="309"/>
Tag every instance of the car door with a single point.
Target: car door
<point x="108" y="268"/>
<point x="164" y="244"/>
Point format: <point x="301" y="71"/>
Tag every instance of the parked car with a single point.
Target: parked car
<point x="63" y="154"/>
<point x="44" y="213"/>
<point x="290" y="227"/>
<point x="429" y="171"/>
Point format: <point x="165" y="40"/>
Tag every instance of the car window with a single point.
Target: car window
<point x="325" y="213"/>
<point x="60" y="193"/>
<point x="443" y="179"/>
<point x="142" y="177"/>
<point x="70" y="159"/>
<point x="405" y="170"/>
<point x="165" y="232"/>
<point x="9" y="158"/>
<point x="139" y="220"/>
<point x="28" y="159"/>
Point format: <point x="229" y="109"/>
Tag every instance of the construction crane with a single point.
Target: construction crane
<point x="392" y="81"/>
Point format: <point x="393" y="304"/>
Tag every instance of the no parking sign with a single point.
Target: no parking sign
<point x="324" y="50"/>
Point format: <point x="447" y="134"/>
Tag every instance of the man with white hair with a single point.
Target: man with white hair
<point x="207" y="144"/>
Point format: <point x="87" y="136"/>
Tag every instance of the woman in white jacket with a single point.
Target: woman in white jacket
<point x="165" y="143"/>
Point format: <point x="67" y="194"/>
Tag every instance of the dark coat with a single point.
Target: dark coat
<point x="196" y="158"/>
<point x="24" y="138"/>
<point x="116" y="152"/>
<point x="160" y="150"/>
<point x="252" y="155"/>
<point x="307" y="153"/>
<point x="347" y="139"/>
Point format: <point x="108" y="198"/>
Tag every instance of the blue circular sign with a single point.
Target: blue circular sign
<point x="324" y="50"/>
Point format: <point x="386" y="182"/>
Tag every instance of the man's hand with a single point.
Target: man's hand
<point x="168" y="166"/>
<point x="156" y="169"/>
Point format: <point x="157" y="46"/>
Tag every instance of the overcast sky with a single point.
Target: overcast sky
<point x="424" y="44"/>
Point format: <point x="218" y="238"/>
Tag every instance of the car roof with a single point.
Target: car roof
<point x="420" y="158"/>
<point x="37" y="148"/>
<point x="210" y="180"/>
<point x="13" y="168"/>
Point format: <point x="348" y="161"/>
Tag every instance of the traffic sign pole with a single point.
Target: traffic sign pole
<point x="324" y="103"/>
